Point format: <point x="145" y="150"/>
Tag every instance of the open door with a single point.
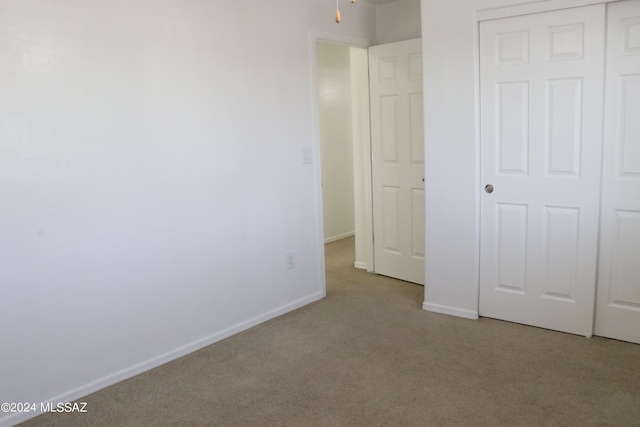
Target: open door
<point x="397" y="146"/>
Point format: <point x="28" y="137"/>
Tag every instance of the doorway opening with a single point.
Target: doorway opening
<point x="344" y="145"/>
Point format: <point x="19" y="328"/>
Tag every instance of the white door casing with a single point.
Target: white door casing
<point x="397" y="145"/>
<point x="618" y="297"/>
<point x="541" y="79"/>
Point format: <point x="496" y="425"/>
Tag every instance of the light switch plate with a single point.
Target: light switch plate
<point x="307" y="155"/>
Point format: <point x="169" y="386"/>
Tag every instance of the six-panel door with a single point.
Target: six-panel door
<point x="397" y="147"/>
<point x="541" y="133"/>
<point x="618" y="301"/>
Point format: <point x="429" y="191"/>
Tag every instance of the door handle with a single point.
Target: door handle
<point x="488" y="188"/>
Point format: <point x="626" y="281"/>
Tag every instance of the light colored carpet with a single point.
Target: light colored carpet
<point x="367" y="355"/>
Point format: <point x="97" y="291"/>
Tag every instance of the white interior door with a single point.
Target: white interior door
<point x="397" y="145"/>
<point x="618" y="300"/>
<point x="541" y="117"/>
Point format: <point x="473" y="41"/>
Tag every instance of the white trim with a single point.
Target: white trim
<point x="451" y="311"/>
<point x="315" y="122"/>
<point x="145" y="366"/>
<point x="339" y="236"/>
<point x="485" y="15"/>
<point x="345" y="39"/>
<point x="478" y="184"/>
<point x="529" y="8"/>
<point x="361" y="265"/>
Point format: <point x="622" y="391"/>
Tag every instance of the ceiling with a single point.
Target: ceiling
<point x="378" y="2"/>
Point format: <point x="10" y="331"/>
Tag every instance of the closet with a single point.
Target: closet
<point x="560" y="169"/>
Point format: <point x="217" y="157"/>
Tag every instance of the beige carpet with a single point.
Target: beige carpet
<point x="367" y="355"/>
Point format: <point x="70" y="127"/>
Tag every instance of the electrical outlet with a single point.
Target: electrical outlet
<point x="290" y="260"/>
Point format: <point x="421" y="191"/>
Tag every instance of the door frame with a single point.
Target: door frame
<point x="364" y="149"/>
<point x="486" y="15"/>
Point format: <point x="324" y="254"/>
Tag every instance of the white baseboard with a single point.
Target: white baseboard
<point x="361" y="265"/>
<point x="339" y="236"/>
<point x="451" y="311"/>
<point x="134" y="370"/>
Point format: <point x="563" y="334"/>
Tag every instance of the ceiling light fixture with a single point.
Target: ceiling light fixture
<point x="338" y="11"/>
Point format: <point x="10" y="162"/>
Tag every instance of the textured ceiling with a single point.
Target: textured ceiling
<point x="378" y="2"/>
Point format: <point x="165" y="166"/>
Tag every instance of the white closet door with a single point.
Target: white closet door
<point x="397" y="148"/>
<point x="541" y="141"/>
<point x="618" y="301"/>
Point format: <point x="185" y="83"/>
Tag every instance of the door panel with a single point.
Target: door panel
<point x="618" y="300"/>
<point x="541" y="131"/>
<point x="397" y="145"/>
<point x="513" y="128"/>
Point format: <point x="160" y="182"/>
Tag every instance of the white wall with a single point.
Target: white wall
<point x="336" y="145"/>
<point x="151" y="181"/>
<point x="452" y="150"/>
<point x="397" y="21"/>
<point x="362" y="158"/>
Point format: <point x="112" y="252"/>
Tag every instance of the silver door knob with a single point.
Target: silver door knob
<point x="488" y="188"/>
